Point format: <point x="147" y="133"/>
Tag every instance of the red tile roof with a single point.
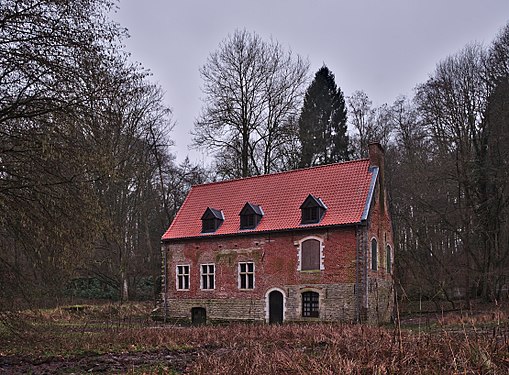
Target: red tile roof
<point x="343" y="187"/>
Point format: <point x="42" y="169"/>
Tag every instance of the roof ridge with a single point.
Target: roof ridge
<point x="281" y="172"/>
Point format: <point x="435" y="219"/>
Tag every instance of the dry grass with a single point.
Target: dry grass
<point x="264" y="349"/>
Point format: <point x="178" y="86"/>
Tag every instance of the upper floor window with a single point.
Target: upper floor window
<point x="374" y="254"/>
<point x="250" y="215"/>
<point x="310" y="255"/>
<point x="208" y="276"/>
<point x="312" y="210"/>
<point x="211" y="220"/>
<point x="183" y="277"/>
<point x="246" y="275"/>
<point x="389" y="259"/>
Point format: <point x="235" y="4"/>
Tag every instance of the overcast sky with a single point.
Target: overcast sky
<point x="384" y="47"/>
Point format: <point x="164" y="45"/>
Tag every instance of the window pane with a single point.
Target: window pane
<point x="250" y="281"/>
<point x="242" y="281"/>
<point x="242" y="267"/>
<point x="310" y="304"/>
<point x="211" y="282"/>
<point x="389" y="259"/>
<point x="204" y="282"/>
<point x="250" y="267"/>
<point x="374" y="254"/>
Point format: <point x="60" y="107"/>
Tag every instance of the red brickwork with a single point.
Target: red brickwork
<point x="275" y="257"/>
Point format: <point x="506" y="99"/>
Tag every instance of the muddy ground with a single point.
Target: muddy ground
<point x="164" y="361"/>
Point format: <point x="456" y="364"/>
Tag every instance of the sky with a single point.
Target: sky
<point x="383" y="47"/>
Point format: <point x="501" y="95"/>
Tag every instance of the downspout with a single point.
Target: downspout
<point x="357" y="278"/>
<point x="165" y="284"/>
<point x="361" y="272"/>
<point x="366" y="269"/>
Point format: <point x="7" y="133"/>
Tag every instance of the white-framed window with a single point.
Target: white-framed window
<point x="374" y="254"/>
<point x="246" y="275"/>
<point x="208" y="276"/>
<point x="183" y="277"/>
<point x="389" y="259"/>
<point x="310" y="254"/>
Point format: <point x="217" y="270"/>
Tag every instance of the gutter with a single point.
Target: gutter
<point x="371" y="192"/>
<point x="357" y="279"/>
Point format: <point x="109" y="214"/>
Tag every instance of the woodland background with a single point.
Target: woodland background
<point x="89" y="182"/>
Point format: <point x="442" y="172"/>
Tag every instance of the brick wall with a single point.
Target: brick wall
<point x="276" y="259"/>
<point x="276" y="266"/>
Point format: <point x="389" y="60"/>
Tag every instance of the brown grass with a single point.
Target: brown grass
<point x="457" y="345"/>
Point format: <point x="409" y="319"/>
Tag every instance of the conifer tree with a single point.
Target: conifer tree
<point x="322" y="123"/>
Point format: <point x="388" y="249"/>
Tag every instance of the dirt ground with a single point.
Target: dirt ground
<point x="164" y="361"/>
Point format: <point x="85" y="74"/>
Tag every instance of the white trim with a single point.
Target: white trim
<point x="267" y="307"/>
<point x="254" y="275"/>
<point x="299" y="251"/>
<point x="208" y="274"/>
<point x="183" y="274"/>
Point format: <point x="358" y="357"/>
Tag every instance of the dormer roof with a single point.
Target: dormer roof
<point x="312" y="201"/>
<point x="250" y="209"/>
<point x="212" y="213"/>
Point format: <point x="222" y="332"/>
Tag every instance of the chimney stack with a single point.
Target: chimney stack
<point x="376" y="155"/>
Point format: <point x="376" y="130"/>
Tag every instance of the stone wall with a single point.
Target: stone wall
<point x="337" y="303"/>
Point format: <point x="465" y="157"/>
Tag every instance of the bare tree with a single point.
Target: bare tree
<point x="370" y="124"/>
<point x="252" y="88"/>
<point x="46" y="196"/>
<point x="82" y="137"/>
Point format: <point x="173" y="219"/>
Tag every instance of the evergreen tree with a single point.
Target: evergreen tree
<point x="322" y="123"/>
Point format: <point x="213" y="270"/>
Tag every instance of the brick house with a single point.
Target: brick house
<point x="303" y="245"/>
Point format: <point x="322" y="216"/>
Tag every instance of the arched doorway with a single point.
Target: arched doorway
<point x="276" y="307"/>
<point x="198" y="315"/>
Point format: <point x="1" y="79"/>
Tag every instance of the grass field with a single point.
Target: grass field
<point x="122" y="339"/>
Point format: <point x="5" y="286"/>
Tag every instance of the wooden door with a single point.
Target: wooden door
<point x="275" y="307"/>
<point x="198" y="315"/>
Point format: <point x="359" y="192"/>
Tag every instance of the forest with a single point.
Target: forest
<point x="89" y="181"/>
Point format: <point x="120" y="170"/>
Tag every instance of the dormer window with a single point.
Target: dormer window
<point x="312" y="210"/>
<point x="211" y="220"/>
<point x="250" y="215"/>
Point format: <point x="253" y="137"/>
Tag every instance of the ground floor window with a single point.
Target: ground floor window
<point x="310" y="304"/>
<point x="246" y="275"/>
<point x="208" y="273"/>
<point x="182" y="277"/>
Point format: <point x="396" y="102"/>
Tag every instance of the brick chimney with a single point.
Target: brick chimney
<point x="376" y="155"/>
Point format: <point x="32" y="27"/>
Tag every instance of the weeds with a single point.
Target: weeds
<point x="461" y="344"/>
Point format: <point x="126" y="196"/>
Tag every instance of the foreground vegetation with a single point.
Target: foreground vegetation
<point x="122" y="339"/>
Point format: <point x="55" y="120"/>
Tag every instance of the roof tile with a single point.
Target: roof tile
<point x="343" y="187"/>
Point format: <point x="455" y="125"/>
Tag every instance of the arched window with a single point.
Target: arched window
<point x="389" y="259"/>
<point x="310" y="255"/>
<point x="310" y="305"/>
<point x="374" y="254"/>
